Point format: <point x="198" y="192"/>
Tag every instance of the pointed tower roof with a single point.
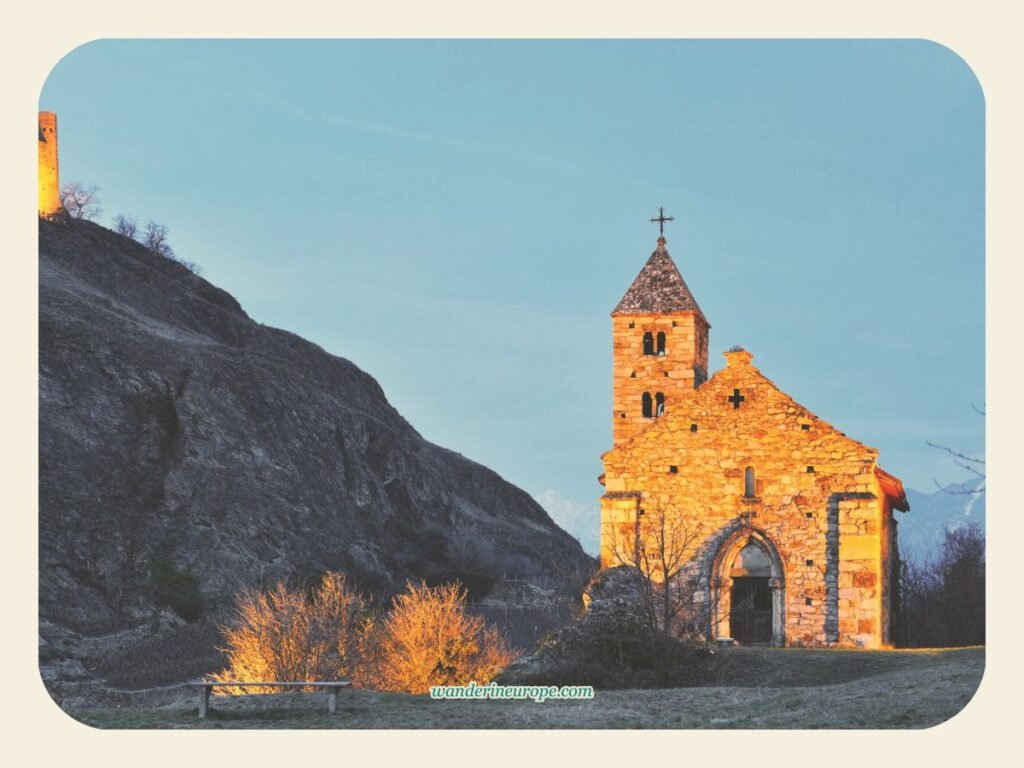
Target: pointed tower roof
<point x="658" y="288"/>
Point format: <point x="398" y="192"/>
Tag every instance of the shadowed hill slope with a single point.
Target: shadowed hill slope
<point x="187" y="451"/>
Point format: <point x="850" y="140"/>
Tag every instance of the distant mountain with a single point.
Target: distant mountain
<point x="922" y="529"/>
<point x="187" y="451"/>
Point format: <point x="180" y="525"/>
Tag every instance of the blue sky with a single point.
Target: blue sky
<point x="458" y="218"/>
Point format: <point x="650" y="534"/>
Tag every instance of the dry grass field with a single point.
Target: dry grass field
<point x="756" y="688"/>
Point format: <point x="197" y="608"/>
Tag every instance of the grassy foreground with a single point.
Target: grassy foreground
<point x="760" y="688"/>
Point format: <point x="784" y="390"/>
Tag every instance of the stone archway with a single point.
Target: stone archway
<point x="748" y="572"/>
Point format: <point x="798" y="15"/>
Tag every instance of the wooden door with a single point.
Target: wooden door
<point x="750" y="617"/>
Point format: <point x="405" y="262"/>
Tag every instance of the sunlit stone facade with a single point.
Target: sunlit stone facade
<point x="49" y="179"/>
<point x="787" y="523"/>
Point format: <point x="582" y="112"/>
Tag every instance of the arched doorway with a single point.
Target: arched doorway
<point x="750" y="598"/>
<point x="750" y="590"/>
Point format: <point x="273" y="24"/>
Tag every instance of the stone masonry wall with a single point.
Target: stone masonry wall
<point x="49" y="178"/>
<point x="817" y="506"/>
<point x="672" y="374"/>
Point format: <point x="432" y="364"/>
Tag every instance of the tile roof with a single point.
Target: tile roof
<point x="658" y="288"/>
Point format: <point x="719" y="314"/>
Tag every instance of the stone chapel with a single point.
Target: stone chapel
<point x="784" y="525"/>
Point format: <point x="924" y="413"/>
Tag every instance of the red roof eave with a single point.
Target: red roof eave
<point x="892" y="487"/>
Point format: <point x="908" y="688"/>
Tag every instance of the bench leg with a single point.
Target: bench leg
<point x="204" y="701"/>
<point x="332" y="701"/>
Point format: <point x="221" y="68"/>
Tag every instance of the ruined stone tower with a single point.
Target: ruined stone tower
<point x="49" y="179"/>
<point x="660" y="346"/>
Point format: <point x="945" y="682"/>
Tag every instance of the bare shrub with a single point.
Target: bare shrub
<point x="81" y="201"/>
<point x="126" y="226"/>
<point x="429" y="639"/>
<point x="154" y="237"/>
<point x="288" y="635"/>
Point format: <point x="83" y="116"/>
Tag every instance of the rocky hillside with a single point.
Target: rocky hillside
<point x="187" y="451"/>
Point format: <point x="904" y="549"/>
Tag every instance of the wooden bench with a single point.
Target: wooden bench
<point x="332" y="688"/>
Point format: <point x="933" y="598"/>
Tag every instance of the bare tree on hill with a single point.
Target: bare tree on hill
<point x="154" y="237"/>
<point x="81" y="201"/>
<point x="126" y="226"/>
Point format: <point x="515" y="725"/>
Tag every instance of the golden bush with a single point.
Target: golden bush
<point x="429" y="639"/>
<point x="288" y="635"/>
<point x="426" y="639"/>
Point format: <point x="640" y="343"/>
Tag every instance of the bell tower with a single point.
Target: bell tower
<point x="49" y="180"/>
<point x="659" y="344"/>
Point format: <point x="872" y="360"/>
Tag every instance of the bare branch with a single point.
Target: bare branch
<point x="956" y="454"/>
<point x="659" y="546"/>
<point x="970" y="463"/>
<point x="126" y="226"/>
<point x="154" y="237"/>
<point x="81" y="201"/>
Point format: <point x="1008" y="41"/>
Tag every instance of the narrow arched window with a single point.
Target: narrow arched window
<point x="661" y="342"/>
<point x="748" y="483"/>
<point x="659" y="404"/>
<point x="648" y="343"/>
<point x="645" y="405"/>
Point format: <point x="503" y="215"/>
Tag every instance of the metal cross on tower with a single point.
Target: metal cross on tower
<point x="661" y="218"/>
